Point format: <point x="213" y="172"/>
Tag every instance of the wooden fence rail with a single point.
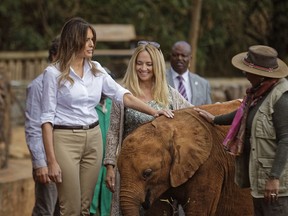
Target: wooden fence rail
<point x="23" y="65"/>
<point x="27" y="65"/>
<point x="20" y="68"/>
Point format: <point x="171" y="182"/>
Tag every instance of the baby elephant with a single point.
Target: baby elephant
<point x="181" y="159"/>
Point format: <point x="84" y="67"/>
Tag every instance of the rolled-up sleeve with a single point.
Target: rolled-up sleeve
<point x="49" y="96"/>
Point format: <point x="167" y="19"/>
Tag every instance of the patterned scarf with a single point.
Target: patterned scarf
<point x="234" y="141"/>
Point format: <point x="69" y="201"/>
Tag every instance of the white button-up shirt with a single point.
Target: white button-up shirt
<point x="74" y="104"/>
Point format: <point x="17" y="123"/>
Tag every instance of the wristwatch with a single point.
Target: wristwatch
<point x="273" y="177"/>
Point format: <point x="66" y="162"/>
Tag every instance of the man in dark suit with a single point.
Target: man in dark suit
<point x="193" y="87"/>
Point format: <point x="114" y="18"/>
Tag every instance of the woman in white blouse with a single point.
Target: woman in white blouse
<point x="72" y="87"/>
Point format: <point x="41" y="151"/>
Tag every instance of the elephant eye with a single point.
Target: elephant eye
<point x="147" y="173"/>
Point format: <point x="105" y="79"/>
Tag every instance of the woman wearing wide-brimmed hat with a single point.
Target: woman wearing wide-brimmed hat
<point x="258" y="135"/>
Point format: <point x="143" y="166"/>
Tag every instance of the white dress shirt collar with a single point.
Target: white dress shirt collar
<point x="185" y="75"/>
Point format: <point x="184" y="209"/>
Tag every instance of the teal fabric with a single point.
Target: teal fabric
<point x="102" y="196"/>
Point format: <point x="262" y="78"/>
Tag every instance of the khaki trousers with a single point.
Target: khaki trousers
<point x="79" y="155"/>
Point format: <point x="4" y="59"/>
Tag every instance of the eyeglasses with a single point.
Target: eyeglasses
<point x="153" y="43"/>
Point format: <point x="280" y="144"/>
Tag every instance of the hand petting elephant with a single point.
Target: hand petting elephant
<point x="181" y="159"/>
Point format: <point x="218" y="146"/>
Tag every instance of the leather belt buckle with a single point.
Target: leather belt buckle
<point x="86" y="127"/>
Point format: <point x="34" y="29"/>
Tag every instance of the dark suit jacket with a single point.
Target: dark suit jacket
<point x="200" y="88"/>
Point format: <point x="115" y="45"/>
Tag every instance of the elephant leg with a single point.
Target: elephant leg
<point x="204" y="192"/>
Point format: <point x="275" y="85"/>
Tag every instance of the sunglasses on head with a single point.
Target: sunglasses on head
<point x="153" y="43"/>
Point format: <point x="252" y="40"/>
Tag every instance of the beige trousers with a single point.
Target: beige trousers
<point x="79" y="155"/>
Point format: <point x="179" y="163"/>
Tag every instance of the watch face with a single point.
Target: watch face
<point x="273" y="177"/>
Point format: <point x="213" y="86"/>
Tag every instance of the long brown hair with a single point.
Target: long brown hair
<point x="72" y="40"/>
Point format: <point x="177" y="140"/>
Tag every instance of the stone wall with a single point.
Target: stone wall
<point x="224" y="89"/>
<point x="18" y="99"/>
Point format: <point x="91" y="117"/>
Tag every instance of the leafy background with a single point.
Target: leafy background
<point x="226" y="27"/>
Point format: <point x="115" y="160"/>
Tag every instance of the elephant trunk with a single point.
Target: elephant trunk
<point x="129" y="200"/>
<point x="129" y="207"/>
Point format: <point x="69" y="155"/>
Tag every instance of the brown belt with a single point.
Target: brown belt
<point x="84" y="127"/>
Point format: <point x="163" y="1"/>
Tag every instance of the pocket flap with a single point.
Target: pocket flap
<point x="266" y="162"/>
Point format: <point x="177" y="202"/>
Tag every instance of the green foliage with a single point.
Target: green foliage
<point x="227" y="27"/>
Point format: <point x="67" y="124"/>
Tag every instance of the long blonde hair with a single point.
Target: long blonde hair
<point x="160" y="90"/>
<point x="72" y="40"/>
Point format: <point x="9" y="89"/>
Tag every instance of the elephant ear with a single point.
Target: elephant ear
<point x="190" y="143"/>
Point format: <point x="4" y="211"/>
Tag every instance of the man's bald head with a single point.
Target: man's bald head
<point x="180" y="56"/>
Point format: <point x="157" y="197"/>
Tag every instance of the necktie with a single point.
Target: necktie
<point x="181" y="87"/>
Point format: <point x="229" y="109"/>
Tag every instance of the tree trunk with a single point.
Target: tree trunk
<point x="196" y="7"/>
<point x="5" y="123"/>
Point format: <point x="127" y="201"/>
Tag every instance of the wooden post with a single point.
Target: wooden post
<point x="5" y="122"/>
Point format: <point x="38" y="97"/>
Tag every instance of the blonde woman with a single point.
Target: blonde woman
<point x="146" y="79"/>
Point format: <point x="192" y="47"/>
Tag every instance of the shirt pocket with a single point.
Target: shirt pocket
<point x="264" y="126"/>
<point x="264" y="169"/>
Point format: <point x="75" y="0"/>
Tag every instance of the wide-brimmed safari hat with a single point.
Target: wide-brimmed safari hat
<point x="261" y="60"/>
